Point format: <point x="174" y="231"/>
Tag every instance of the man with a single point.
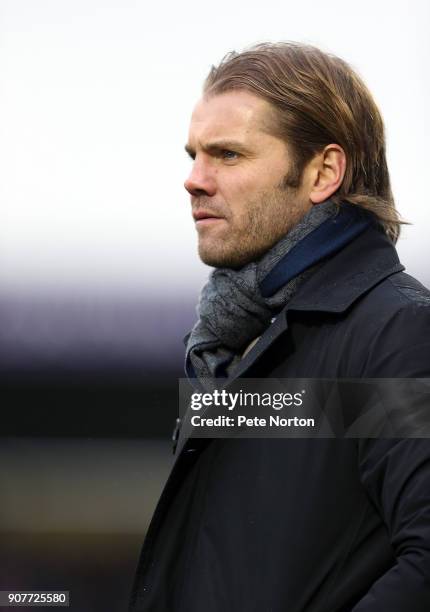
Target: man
<point x="291" y="199"/>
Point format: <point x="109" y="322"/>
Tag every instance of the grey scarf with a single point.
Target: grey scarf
<point x="232" y="311"/>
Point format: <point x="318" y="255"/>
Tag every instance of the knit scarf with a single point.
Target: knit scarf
<point x="236" y="306"/>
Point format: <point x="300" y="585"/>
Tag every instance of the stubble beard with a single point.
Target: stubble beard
<point x="269" y="217"/>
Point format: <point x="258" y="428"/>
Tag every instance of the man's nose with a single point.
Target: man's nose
<point x="201" y="180"/>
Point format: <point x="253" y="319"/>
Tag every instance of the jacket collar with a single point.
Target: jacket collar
<point x="348" y="222"/>
<point x="336" y="285"/>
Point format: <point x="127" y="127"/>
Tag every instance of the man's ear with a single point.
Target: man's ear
<point x="328" y="171"/>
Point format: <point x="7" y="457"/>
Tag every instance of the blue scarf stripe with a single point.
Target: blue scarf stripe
<point x="325" y="240"/>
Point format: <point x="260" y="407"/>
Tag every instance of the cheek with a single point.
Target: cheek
<point x="239" y="191"/>
<point x="245" y="192"/>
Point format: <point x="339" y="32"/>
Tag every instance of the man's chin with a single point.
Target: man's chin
<point x="217" y="258"/>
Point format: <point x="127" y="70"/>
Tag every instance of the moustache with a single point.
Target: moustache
<point x="209" y="208"/>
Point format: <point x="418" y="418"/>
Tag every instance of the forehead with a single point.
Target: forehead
<point x="233" y="114"/>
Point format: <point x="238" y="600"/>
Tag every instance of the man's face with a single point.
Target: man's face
<point x="240" y="206"/>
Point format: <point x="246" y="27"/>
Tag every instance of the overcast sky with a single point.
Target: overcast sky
<point x="94" y="107"/>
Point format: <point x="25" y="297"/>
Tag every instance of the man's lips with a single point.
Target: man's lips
<point x="205" y="215"/>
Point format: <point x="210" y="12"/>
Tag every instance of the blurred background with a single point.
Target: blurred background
<point x="98" y="269"/>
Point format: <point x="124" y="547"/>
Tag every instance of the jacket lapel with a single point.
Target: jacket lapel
<point x="278" y="326"/>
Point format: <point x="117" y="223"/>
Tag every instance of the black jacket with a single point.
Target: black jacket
<point x="307" y="525"/>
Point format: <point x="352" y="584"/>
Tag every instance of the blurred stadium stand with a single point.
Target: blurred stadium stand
<point x="89" y="398"/>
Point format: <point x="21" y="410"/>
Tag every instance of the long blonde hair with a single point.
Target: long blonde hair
<point x="318" y="99"/>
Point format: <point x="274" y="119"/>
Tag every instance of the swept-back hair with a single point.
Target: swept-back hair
<point x="318" y="99"/>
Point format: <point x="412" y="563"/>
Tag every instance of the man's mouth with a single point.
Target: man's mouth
<point x="205" y="216"/>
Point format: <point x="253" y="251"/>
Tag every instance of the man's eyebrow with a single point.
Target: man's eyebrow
<point x="218" y="145"/>
<point x="189" y="150"/>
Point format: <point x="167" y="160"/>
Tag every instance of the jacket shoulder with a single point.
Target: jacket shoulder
<point x="390" y="329"/>
<point x="409" y="289"/>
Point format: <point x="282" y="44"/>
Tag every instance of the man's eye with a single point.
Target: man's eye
<point x="226" y="154"/>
